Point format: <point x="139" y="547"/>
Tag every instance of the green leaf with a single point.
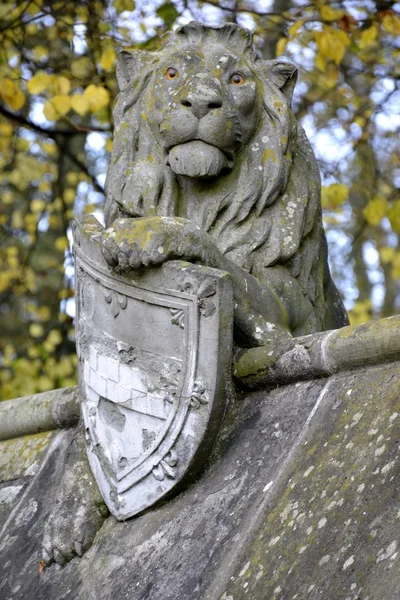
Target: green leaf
<point x="168" y="13"/>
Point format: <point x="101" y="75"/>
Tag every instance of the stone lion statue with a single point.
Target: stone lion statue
<point x="209" y="165"/>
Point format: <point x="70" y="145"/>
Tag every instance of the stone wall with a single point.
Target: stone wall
<point x="299" y="500"/>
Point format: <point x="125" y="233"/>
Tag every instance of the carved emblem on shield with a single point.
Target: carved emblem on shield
<point x="154" y="352"/>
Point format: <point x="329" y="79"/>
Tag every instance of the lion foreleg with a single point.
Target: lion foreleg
<point x="79" y="510"/>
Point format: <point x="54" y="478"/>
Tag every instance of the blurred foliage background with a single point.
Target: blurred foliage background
<point x="57" y="86"/>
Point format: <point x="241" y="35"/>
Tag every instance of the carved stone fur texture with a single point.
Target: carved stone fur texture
<point x="209" y="164"/>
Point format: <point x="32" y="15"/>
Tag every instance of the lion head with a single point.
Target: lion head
<point x="204" y="130"/>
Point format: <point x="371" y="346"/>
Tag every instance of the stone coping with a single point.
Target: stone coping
<point x="320" y="354"/>
<point x="303" y="358"/>
<point x="55" y="409"/>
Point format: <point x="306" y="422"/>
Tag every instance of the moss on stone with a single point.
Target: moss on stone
<point x="334" y="492"/>
<point x="19" y="454"/>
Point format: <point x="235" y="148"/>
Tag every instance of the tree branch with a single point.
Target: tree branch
<point x="52" y="133"/>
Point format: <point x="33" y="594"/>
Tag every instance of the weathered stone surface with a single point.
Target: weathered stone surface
<point x="39" y="412"/>
<point x="321" y="354"/>
<point x="20" y="459"/>
<point x="300" y="496"/>
<point x="332" y="529"/>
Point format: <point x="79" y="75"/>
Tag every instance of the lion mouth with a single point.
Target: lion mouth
<point x="198" y="159"/>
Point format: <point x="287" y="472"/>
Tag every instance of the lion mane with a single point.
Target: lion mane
<point x="270" y="220"/>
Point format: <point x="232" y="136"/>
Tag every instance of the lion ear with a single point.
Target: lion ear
<point x="284" y="75"/>
<point x="125" y="68"/>
<point x="129" y="66"/>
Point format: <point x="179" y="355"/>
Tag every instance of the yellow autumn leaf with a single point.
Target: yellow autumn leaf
<point x="6" y="129"/>
<point x="33" y="352"/>
<point x="281" y="45"/>
<point x="360" y="121"/>
<point x="64" y="295"/>
<point x="44" y="383"/>
<point x="61" y="243"/>
<point x="320" y="62"/>
<point x="387" y="254"/>
<point x="31" y="223"/>
<point x="34" y="8"/>
<point x="361" y="312"/>
<point x="11" y="94"/>
<point x="69" y="195"/>
<point x="44" y="313"/>
<point x="44" y="186"/>
<point x="5" y="8"/>
<point x="368" y="36"/>
<point x="391" y="23"/>
<point x="50" y="148"/>
<point x="54" y="337"/>
<point x="62" y="85"/>
<point x="82" y="13"/>
<point x="49" y="111"/>
<point x="97" y="96"/>
<point x="80" y="104"/>
<point x="39" y="82"/>
<point x="22" y="145"/>
<point x="57" y="107"/>
<point x="73" y="177"/>
<point x="394" y="216"/>
<point x="38" y="205"/>
<point x="121" y="5"/>
<point x="108" y="59"/>
<point x="40" y="52"/>
<point x="395" y="272"/>
<point x="58" y="204"/>
<point x="328" y="47"/>
<point x="328" y="13"/>
<point x="62" y="104"/>
<point x="32" y="29"/>
<point x="293" y="29"/>
<point x="51" y="33"/>
<point x="5" y="279"/>
<point x="332" y="43"/>
<point x="13" y="262"/>
<point x="334" y="195"/>
<point x="341" y="35"/>
<point x="7" y="197"/>
<point x="17" y="221"/>
<point x="375" y="210"/>
<point x="81" y="67"/>
<point x="54" y="221"/>
<point x="12" y="251"/>
<point x="36" y="330"/>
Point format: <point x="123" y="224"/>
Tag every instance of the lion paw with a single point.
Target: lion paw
<point x="140" y="243"/>
<point x="79" y="510"/>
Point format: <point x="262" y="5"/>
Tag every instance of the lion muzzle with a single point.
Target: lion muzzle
<point x="197" y="159"/>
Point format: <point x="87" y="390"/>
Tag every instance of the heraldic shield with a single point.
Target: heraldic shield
<point x="155" y="350"/>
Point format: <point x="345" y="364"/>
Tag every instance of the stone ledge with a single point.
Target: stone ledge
<point x="303" y="358"/>
<point x="55" y="409"/>
<point x="320" y="354"/>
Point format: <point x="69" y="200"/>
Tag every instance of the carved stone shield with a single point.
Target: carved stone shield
<point x="154" y="353"/>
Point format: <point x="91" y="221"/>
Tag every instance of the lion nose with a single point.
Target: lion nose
<point x="201" y="103"/>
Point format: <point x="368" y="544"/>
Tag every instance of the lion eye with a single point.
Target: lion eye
<point x="237" y="79"/>
<point x="171" y="73"/>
